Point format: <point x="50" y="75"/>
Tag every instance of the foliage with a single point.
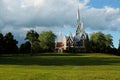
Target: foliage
<point x="47" y="40"/>
<point x="32" y="36"/>
<point x="119" y="48"/>
<point x="25" y="47"/>
<point x="100" y="42"/>
<point x="10" y="43"/>
<point x="2" y="43"/>
<point x="36" y="47"/>
<point x="87" y="44"/>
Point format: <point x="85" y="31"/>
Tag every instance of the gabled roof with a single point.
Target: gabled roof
<point x="69" y="37"/>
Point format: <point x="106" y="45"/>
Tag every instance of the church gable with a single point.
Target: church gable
<point x="70" y="42"/>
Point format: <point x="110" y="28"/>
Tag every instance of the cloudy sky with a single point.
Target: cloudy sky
<point x="19" y="16"/>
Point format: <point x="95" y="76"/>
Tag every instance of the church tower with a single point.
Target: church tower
<point x="80" y="36"/>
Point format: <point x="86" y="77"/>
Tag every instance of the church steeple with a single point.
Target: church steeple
<point x="79" y="29"/>
<point x="78" y="17"/>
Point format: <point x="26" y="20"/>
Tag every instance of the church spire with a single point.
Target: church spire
<point x="78" y="16"/>
<point x="78" y="22"/>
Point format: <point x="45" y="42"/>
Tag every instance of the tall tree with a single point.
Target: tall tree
<point x="32" y="36"/>
<point x="10" y="43"/>
<point x="47" y="40"/>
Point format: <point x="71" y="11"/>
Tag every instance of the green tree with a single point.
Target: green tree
<point x="47" y="40"/>
<point x="109" y="40"/>
<point x="101" y="42"/>
<point x="10" y="43"/>
<point x="97" y="40"/>
<point x="32" y="36"/>
<point x="36" y="47"/>
<point x="108" y="43"/>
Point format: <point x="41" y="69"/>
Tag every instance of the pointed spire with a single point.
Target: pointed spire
<point x="78" y="16"/>
<point x="78" y="23"/>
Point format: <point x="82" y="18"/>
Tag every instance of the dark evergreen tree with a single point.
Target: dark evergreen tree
<point x="10" y="43"/>
<point x="2" y="43"/>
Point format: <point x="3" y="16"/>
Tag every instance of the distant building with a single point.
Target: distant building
<point x="69" y="41"/>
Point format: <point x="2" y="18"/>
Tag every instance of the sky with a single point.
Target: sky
<point x="19" y="16"/>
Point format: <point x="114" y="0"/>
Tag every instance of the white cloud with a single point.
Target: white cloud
<point x="103" y="18"/>
<point x="32" y="13"/>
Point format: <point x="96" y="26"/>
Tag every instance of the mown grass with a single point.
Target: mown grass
<point x="60" y="67"/>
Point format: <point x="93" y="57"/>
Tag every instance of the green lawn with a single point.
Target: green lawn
<point x="60" y="67"/>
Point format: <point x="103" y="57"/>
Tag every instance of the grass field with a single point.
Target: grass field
<point x="60" y="67"/>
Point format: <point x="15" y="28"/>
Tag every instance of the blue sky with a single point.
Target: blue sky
<point x="19" y="16"/>
<point x="102" y="3"/>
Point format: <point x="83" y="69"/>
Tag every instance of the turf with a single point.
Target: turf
<point x="60" y="67"/>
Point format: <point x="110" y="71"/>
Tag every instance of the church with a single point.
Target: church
<point x="70" y="41"/>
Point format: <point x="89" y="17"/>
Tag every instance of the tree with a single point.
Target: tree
<point x="25" y="47"/>
<point x="97" y="40"/>
<point x="47" y="40"/>
<point x="101" y="42"/>
<point x="32" y="36"/>
<point x="108" y="43"/>
<point x="10" y="43"/>
<point x="87" y="44"/>
<point x="36" y="47"/>
<point x="109" y="40"/>
<point x="119" y="48"/>
<point x="2" y="43"/>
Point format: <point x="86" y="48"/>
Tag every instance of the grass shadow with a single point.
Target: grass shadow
<point x="59" y="60"/>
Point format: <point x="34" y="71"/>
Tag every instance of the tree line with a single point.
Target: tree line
<point x="98" y="42"/>
<point x="35" y="43"/>
<point x="101" y="43"/>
